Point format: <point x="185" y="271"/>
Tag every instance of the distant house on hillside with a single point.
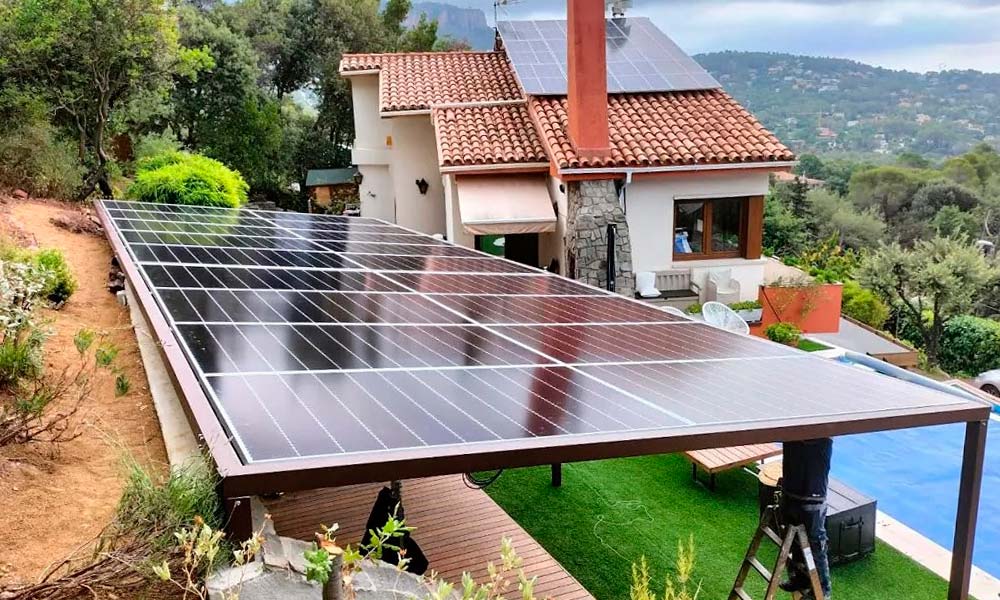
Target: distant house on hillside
<point x="532" y="155"/>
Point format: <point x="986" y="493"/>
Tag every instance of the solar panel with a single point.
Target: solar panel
<point x="323" y="353"/>
<point x="640" y="58"/>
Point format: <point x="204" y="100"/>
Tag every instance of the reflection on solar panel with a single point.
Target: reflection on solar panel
<point x="315" y="349"/>
<point x="641" y="58"/>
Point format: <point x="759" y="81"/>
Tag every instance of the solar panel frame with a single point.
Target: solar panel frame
<point x="285" y="473"/>
<point x="640" y="58"/>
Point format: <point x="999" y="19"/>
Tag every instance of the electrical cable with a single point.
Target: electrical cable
<point x="479" y="483"/>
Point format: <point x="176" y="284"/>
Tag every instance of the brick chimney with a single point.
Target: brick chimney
<point x="588" y="77"/>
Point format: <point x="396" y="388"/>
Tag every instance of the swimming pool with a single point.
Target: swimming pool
<point x="914" y="474"/>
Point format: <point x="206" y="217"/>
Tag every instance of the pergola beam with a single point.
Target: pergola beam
<point x="968" y="509"/>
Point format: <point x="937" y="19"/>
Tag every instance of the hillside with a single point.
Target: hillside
<point x="467" y="24"/>
<point x="826" y="103"/>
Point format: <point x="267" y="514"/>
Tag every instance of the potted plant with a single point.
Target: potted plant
<point x="784" y="333"/>
<point x="750" y="311"/>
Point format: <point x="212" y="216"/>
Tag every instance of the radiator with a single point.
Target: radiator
<point x="668" y="281"/>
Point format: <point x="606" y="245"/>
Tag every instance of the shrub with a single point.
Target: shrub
<point x="694" y="309"/>
<point x="153" y="144"/>
<point x="59" y="281"/>
<point x="783" y="333"/>
<point x="181" y="178"/>
<point x="33" y="157"/>
<point x="746" y="305"/>
<point x="864" y="306"/>
<point x="970" y="345"/>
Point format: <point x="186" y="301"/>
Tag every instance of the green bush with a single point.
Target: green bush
<point x="694" y="309"/>
<point x="746" y="305"/>
<point x="154" y="144"/>
<point x="20" y="356"/>
<point x="35" y="158"/>
<point x="970" y="345"/>
<point x="863" y="305"/>
<point x="784" y="333"/>
<point x="59" y="281"/>
<point x="182" y="178"/>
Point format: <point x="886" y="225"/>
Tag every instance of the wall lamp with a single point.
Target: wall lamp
<point x="358" y="178"/>
<point x="423" y="186"/>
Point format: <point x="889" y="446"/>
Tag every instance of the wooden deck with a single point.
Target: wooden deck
<point x="457" y="527"/>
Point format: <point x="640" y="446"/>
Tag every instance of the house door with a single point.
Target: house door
<point x="521" y="248"/>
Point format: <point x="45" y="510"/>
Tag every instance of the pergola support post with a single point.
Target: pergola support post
<point x="968" y="509"/>
<point x="556" y="474"/>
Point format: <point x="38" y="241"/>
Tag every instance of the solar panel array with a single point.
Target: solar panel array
<point x="640" y="58"/>
<point x="323" y="337"/>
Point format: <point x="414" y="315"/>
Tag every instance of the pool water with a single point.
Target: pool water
<point x="914" y="475"/>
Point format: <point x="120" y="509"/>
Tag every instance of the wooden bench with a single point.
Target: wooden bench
<point x="717" y="460"/>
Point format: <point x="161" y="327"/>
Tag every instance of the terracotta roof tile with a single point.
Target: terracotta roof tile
<point x="417" y="80"/>
<point x="487" y="135"/>
<point x="664" y="129"/>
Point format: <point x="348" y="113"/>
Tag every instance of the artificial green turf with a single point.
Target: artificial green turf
<point x="609" y="513"/>
<point x="811" y="346"/>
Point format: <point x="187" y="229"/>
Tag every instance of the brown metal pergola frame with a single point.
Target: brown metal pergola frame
<point x="239" y="481"/>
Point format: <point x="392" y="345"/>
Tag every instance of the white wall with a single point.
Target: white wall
<point x="371" y="152"/>
<point x="414" y="157"/>
<point x="649" y="210"/>
<point x="552" y="244"/>
<point x="392" y="154"/>
<point x="454" y="230"/>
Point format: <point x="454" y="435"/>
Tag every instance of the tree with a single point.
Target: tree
<point x="836" y="216"/>
<point x="944" y="206"/>
<point x="784" y="233"/>
<point x="88" y="59"/>
<point x="943" y="277"/>
<point x="220" y="91"/>
<point x="912" y="160"/>
<point x="889" y="190"/>
<point x="811" y="166"/>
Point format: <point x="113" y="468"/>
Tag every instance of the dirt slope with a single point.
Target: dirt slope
<point x="52" y="503"/>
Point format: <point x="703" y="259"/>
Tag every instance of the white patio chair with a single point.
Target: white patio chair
<point x="722" y="287"/>
<point x="721" y="316"/>
<point x="645" y="284"/>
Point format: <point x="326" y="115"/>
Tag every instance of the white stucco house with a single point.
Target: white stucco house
<point x="451" y="143"/>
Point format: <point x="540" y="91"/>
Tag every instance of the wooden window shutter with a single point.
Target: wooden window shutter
<point x="753" y="238"/>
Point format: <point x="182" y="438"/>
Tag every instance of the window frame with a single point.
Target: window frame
<point x="708" y="205"/>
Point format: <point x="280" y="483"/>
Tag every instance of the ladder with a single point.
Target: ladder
<point x="795" y="534"/>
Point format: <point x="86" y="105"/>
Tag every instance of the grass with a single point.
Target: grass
<point x="811" y="346"/>
<point x="609" y="513"/>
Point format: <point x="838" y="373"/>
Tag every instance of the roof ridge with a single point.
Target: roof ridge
<point x="422" y="53"/>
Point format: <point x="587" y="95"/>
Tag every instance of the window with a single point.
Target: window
<point x="714" y="228"/>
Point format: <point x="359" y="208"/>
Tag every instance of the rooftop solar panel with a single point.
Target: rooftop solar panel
<point x="640" y="58"/>
<point x="311" y="359"/>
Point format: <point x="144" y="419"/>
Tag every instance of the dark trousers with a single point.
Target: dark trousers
<point x="812" y="516"/>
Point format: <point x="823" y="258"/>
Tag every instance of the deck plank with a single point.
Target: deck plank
<point x="457" y="527"/>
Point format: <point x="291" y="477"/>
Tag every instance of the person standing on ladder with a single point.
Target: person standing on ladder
<point x="805" y="478"/>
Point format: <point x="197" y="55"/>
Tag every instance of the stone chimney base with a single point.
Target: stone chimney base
<point x="592" y="206"/>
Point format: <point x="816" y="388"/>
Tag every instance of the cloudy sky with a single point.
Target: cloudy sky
<point x="918" y="35"/>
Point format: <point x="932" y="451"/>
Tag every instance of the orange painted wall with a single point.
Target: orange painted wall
<point x="813" y="309"/>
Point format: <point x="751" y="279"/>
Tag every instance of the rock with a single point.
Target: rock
<point x="226" y="579"/>
<point x="274" y="552"/>
<point x="20" y="194"/>
<point x="293" y="550"/>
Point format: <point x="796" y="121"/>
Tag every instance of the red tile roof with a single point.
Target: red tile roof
<point x="487" y="135"/>
<point x="664" y="129"/>
<point x="647" y="130"/>
<point x="417" y="80"/>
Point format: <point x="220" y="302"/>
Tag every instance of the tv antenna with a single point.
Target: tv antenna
<point x="496" y="9"/>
